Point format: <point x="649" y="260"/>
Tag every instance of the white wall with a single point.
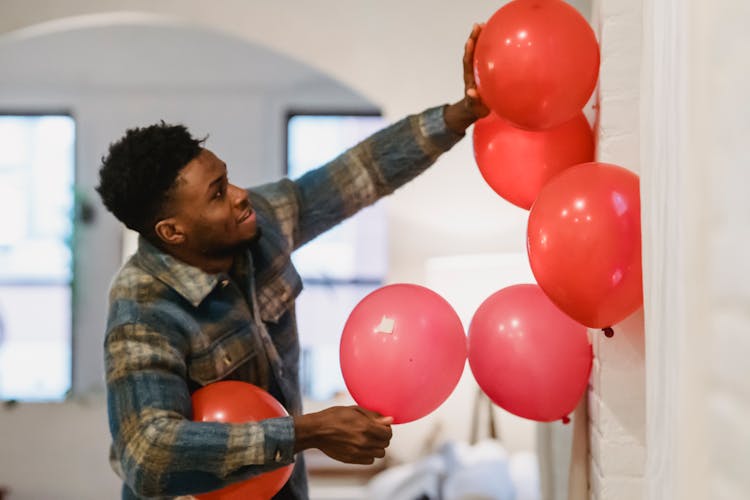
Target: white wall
<point x="696" y="164"/>
<point x="617" y="414"/>
<point x="718" y="133"/>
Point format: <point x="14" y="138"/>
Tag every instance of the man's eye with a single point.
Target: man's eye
<point x="219" y="194"/>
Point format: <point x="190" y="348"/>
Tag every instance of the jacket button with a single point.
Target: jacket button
<point x="224" y="283"/>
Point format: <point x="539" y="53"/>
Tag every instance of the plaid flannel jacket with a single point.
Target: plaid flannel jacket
<point x="172" y="328"/>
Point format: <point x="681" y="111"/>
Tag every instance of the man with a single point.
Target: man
<point x="209" y="296"/>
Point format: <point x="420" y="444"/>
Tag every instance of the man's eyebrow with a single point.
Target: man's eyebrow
<point x="219" y="179"/>
<point x="216" y="181"/>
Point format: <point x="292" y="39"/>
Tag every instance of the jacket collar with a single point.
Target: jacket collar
<point x="190" y="282"/>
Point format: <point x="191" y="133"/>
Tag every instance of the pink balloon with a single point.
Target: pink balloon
<point x="527" y="355"/>
<point x="402" y="351"/>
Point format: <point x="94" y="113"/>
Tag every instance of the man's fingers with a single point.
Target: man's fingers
<point x="468" y="54"/>
<point x="468" y="69"/>
<point x="360" y="455"/>
<point x="382" y="432"/>
<point x="472" y="98"/>
<point x="468" y="60"/>
<point x="476" y="30"/>
<point x="373" y="443"/>
<point x="375" y="452"/>
<point x="385" y="420"/>
<point x="378" y="427"/>
<point x="369" y="454"/>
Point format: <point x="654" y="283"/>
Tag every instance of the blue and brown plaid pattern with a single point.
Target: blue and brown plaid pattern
<point x="173" y="328"/>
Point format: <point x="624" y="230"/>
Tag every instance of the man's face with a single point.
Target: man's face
<point x="215" y="216"/>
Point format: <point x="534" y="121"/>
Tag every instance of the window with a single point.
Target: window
<point x="341" y="266"/>
<point x="36" y="260"/>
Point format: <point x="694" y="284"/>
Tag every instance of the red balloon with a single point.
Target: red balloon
<point x="527" y="355"/>
<point x="402" y="351"/>
<point x="238" y="402"/>
<point x="516" y="163"/>
<point x="584" y="243"/>
<point x="536" y="62"/>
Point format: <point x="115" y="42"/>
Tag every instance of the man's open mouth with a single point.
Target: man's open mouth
<point x="245" y="215"/>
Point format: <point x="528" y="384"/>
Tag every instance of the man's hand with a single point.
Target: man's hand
<point x="348" y="434"/>
<point x="459" y="115"/>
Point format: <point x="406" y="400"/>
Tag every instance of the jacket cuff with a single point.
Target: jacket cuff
<point x="433" y="127"/>
<point x="279" y="440"/>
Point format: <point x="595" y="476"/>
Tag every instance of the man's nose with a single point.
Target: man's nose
<point x="239" y="196"/>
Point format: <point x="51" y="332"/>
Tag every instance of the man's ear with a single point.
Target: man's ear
<point x="170" y="231"/>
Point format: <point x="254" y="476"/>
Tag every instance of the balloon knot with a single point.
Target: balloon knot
<point x="566" y="420"/>
<point x="608" y="332"/>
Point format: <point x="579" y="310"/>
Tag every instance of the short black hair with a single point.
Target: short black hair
<point x="140" y="169"/>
